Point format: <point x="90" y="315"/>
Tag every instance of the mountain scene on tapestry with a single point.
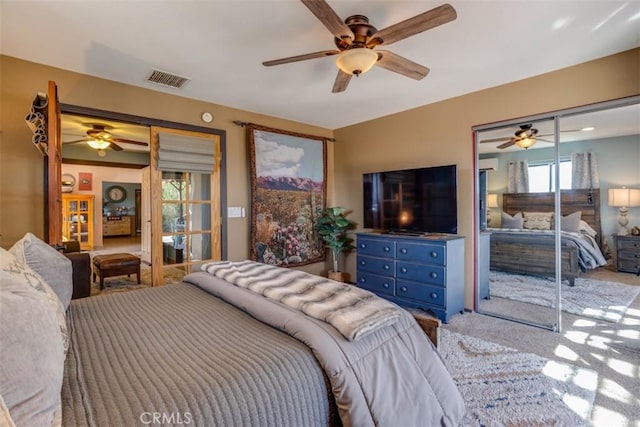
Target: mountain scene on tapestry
<point x="287" y="196"/>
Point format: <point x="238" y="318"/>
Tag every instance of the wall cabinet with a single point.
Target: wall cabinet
<point x="78" y="219"/>
<point x="117" y="226"/>
<point x="419" y="272"/>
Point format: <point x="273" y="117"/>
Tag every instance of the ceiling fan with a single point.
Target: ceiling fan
<point x="99" y="138"/>
<point x="524" y="137"/>
<point x="356" y="39"/>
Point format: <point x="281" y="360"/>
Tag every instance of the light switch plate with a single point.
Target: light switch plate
<point x="234" y="212"/>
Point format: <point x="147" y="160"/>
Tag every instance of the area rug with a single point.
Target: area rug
<point x="589" y="298"/>
<point x="129" y="283"/>
<point x="504" y="387"/>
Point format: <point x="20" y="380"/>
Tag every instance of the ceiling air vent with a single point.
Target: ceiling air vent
<point x="167" y="79"/>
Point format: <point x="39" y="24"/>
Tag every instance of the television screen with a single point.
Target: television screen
<point x="420" y="200"/>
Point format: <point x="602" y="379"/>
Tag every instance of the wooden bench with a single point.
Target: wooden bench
<point x="115" y="265"/>
<point x="429" y="325"/>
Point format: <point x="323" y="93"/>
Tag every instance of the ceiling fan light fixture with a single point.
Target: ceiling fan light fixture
<point x="356" y="61"/>
<point x="98" y="144"/>
<point x="525" y="142"/>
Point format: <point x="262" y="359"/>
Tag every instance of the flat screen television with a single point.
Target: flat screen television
<point x="422" y="200"/>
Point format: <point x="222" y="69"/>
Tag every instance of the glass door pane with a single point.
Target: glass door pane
<point x="516" y="237"/>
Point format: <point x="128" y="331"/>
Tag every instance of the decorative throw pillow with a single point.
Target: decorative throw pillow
<point x="571" y="222"/>
<point x="537" y="220"/>
<point x="585" y="228"/>
<point x="22" y="272"/>
<point x="514" y="221"/>
<point x="50" y="264"/>
<point x="31" y="354"/>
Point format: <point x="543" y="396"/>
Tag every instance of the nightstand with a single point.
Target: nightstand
<point x="627" y="253"/>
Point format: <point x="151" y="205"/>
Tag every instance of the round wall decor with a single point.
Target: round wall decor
<point x="116" y="193"/>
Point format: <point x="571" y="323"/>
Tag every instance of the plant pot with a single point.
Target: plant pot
<point x="339" y="276"/>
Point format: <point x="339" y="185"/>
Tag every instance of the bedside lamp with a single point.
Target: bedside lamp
<point x="624" y="198"/>
<point x="492" y="202"/>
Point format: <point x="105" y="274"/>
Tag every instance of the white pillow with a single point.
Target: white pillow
<point x="51" y="265"/>
<point x="587" y="229"/>
<point x="537" y="220"/>
<point x="10" y="265"/>
<point x="32" y="351"/>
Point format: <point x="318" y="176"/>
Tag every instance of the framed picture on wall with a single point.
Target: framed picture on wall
<point x="288" y="192"/>
<point x="85" y="181"/>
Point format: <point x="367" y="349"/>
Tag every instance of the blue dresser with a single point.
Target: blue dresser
<point x="420" y="272"/>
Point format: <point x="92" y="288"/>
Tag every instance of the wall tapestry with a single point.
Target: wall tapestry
<point x="288" y="191"/>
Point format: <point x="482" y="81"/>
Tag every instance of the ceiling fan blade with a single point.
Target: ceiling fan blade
<point x="412" y="26"/>
<point x="342" y="81"/>
<point x="129" y="141"/>
<point x="114" y="146"/>
<point x="506" y="144"/>
<point x="398" y="64"/>
<point x="330" y="19"/>
<point x="495" y="139"/>
<point x="301" y="57"/>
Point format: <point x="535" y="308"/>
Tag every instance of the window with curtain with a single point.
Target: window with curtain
<point x="542" y="176"/>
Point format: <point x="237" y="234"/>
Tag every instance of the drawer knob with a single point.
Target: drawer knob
<point x="385" y="285"/>
<point x="362" y="280"/>
<point x="387" y="249"/>
<point x="363" y="245"/>
<point x="386" y="267"/>
<point x="363" y="262"/>
<point x="433" y="295"/>
<point x="403" y="251"/>
<point x="403" y="269"/>
<point x="433" y="274"/>
<point x="434" y="254"/>
<point x="403" y="289"/>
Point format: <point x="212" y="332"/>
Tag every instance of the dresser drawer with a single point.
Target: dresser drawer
<point x="380" y="266"/>
<point x="379" y="284"/>
<point x="433" y="295"/>
<point x="633" y="244"/>
<point x="431" y="274"/>
<point x="432" y="254"/>
<point x="376" y="247"/>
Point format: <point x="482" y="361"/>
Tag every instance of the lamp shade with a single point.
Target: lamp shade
<point x="356" y="61"/>
<point x="525" y="142"/>
<point x="624" y="197"/>
<point x="98" y="144"/>
<point x="492" y="200"/>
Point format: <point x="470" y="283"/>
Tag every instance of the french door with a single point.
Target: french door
<point x="185" y="207"/>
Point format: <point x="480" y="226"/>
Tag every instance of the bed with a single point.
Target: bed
<point x="210" y="352"/>
<point x="525" y="251"/>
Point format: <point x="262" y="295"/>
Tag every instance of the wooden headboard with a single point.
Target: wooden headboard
<point x="587" y="201"/>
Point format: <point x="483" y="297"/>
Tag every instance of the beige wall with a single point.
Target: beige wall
<point x="440" y="133"/>
<point x="434" y="134"/>
<point x="21" y="171"/>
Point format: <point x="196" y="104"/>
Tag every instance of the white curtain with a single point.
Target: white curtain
<point x="518" y="176"/>
<point x="584" y="172"/>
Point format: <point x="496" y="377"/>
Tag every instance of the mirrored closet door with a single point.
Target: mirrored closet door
<point x="533" y="171"/>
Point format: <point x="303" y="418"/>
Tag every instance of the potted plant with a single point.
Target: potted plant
<point x="333" y="226"/>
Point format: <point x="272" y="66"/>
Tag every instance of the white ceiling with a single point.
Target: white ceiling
<point x="221" y="44"/>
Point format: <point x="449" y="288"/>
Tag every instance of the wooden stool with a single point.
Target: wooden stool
<point x="115" y="265"/>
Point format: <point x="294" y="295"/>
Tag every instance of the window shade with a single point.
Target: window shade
<point x="180" y="153"/>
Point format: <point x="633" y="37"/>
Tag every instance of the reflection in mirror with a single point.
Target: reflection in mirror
<point x="517" y="239"/>
<point x="597" y="155"/>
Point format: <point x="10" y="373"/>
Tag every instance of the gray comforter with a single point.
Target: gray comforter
<point x="391" y="377"/>
<point x="185" y="357"/>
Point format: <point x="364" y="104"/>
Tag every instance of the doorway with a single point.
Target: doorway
<point x="114" y="158"/>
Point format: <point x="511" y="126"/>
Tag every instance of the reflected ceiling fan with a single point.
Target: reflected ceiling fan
<point x="524" y="137"/>
<point x="356" y="39"/>
<point x="99" y="138"/>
